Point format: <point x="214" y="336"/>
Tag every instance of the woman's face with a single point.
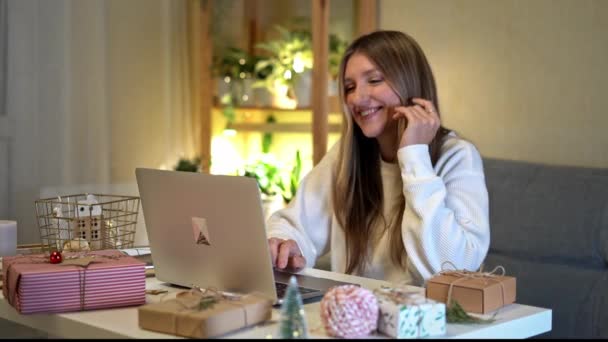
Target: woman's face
<point x="368" y="96"/>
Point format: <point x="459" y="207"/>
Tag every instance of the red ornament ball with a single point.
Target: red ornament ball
<point x="55" y="257"/>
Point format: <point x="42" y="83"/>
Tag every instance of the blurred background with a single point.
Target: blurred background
<point x="92" y="89"/>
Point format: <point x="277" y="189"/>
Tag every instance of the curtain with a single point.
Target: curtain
<point x="184" y="79"/>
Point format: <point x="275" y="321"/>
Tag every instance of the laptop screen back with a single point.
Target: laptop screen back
<point x="206" y="230"/>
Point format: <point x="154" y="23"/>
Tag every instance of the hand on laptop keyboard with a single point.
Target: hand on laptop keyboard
<point x="286" y="255"/>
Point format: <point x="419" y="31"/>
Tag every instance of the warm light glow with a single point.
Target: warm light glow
<point x="242" y="61"/>
<point x="226" y="159"/>
<point x="298" y="63"/>
<point x="242" y="75"/>
<point x="227" y="79"/>
<point x="245" y="97"/>
<point x="281" y="100"/>
<point x="287" y="75"/>
<point x="229" y="132"/>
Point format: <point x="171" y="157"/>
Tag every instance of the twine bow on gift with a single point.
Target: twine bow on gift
<point x="199" y="299"/>
<point x="463" y="275"/>
<point x="400" y="296"/>
<point x="204" y="298"/>
<point x="83" y="260"/>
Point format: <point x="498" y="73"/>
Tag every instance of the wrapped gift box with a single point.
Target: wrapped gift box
<point x="409" y="315"/>
<point x="475" y="292"/>
<point x="83" y="281"/>
<point x="179" y="317"/>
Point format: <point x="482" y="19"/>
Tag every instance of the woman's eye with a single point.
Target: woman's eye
<point x="375" y="80"/>
<point x="348" y="89"/>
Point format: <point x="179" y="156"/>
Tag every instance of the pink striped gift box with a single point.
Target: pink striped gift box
<point x="112" y="279"/>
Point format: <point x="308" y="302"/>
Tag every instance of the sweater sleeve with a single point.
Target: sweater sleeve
<point x="446" y="207"/>
<point x="307" y="218"/>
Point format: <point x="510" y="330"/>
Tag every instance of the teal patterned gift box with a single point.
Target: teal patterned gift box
<point x="406" y="314"/>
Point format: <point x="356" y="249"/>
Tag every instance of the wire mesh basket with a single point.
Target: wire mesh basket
<point x="87" y="222"/>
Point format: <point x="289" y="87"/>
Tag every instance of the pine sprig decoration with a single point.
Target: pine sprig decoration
<point x="207" y="303"/>
<point x="293" y="320"/>
<point x="456" y="314"/>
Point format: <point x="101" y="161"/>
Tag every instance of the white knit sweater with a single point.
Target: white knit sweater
<point x="445" y="218"/>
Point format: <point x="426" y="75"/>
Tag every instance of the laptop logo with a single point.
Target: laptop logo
<point x="201" y="233"/>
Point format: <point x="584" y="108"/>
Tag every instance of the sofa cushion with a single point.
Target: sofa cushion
<point x="576" y="295"/>
<point x="548" y="213"/>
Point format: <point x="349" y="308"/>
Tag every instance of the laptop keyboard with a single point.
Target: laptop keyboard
<point x="282" y="288"/>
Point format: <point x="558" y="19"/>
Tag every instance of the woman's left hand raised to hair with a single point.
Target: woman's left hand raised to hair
<point x="422" y="122"/>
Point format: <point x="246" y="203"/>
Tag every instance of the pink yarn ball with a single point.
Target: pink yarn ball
<point x="349" y="311"/>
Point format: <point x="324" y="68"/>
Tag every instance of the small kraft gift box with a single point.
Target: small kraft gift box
<point x="406" y="314"/>
<point x="81" y="281"/>
<point x="476" y="292"/>
<point x="204" y="313"/>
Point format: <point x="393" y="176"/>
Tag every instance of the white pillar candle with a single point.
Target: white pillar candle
<point x="8" y="238"/>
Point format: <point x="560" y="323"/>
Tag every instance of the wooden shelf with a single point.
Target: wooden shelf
<point x="268" y="109"/>
<point x="280" y="127"/>
<point x="306" y="110"/>
<point x="322" y="107"/>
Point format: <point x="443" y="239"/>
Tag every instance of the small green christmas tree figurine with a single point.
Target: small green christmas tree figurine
<point x="293" y="320"/>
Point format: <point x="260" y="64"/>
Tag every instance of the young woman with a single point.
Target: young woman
<point x="399" y="194"/>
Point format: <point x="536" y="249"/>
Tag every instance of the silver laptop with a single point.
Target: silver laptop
<point x="209" y="231"/>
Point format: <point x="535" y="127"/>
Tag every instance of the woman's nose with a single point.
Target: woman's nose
<point x="360" y="96"/>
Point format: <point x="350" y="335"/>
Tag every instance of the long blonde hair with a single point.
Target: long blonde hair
<point x="358" y="195"/>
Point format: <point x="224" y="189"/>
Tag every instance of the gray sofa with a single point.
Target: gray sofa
<point x="549" y="227"/>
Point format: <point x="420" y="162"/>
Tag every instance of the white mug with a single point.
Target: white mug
<point x="8" y="238"/>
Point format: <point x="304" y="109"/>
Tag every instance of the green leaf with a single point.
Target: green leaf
<point x="206" y="303"/>
<point x="456" y="314"/>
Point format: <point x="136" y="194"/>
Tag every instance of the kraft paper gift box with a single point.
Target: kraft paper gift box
<point x="409" y="315"/>
<point x="192" y="315"/>
<point x="83" y="281"/>
<point x="476" y="292"/>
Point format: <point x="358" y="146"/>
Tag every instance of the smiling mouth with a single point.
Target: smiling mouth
<point x="369" y="111"/>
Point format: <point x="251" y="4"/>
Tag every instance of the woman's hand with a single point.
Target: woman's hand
<point x="422" y="122"/>
<point x="286" y="254"/>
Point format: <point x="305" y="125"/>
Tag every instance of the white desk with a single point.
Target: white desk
<point x="512" y="321"/>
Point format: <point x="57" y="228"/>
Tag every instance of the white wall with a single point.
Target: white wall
<point x="522" y="79"/>
<point x="87" y="94"/>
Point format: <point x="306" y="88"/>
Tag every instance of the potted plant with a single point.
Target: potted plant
<point x="188" y="165"/>
<point x="236" y="71"/>
<point x="288" y="191"/>
<point x="289" y="56"/>
<point x="289" y="64"/>
<point x="266" y="172"/>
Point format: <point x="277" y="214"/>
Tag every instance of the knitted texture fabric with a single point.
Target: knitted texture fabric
<point x="446" y="215"/>
<point x="349" y="311"/>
